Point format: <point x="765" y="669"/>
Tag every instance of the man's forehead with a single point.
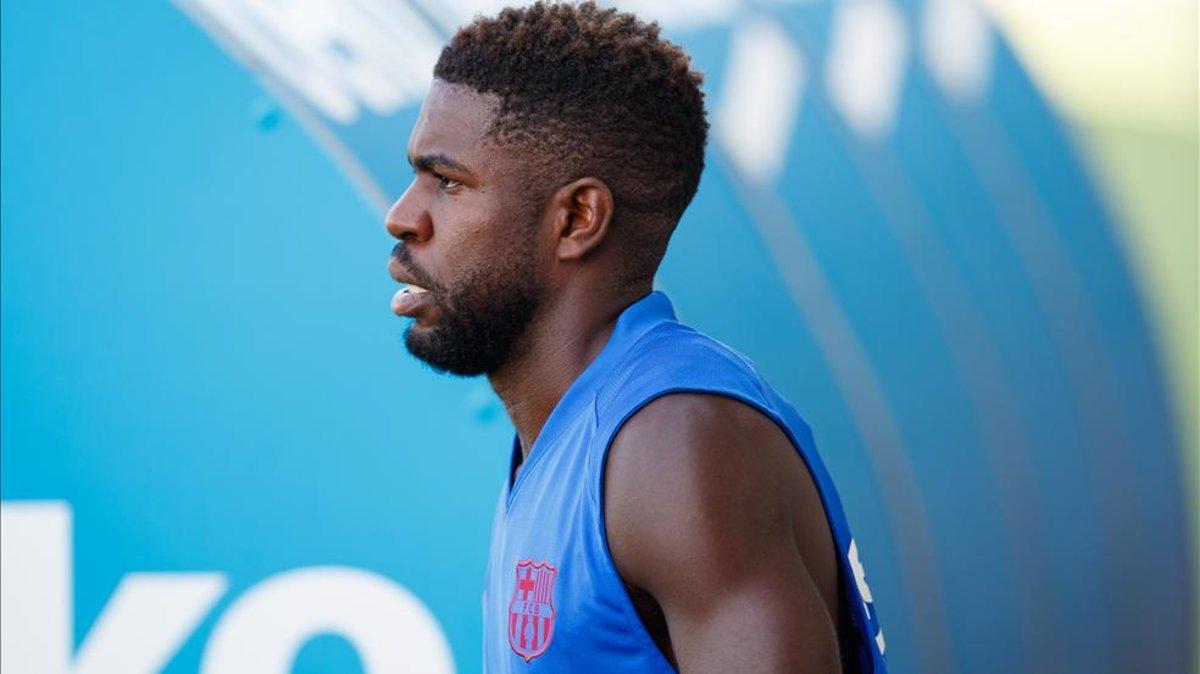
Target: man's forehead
<point x="454" y="120"/>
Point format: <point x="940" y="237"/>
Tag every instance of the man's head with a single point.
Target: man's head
<point x="559" y="144"/>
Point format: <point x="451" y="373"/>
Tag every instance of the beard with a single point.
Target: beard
<point x="482" y="316"/>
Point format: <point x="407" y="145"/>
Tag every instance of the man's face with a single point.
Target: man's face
<point x="468" y="236"/>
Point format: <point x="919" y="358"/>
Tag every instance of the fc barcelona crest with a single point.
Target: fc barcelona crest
<point x="531" y="611"/>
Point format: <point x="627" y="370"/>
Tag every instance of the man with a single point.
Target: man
<point x="666" y="509"/>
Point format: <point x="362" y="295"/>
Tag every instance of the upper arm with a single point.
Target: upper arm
<point x="711" y="511"/>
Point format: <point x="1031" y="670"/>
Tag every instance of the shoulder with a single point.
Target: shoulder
<point x="703" y="477"/>
<point x="676" y="343"/>
<point x="675" y="357"/>
<point x="713" y="514"/>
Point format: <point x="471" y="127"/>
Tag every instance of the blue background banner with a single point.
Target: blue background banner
<point x="218" y="456"/>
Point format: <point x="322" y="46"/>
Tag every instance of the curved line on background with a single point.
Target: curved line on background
<point x="873" y="418"/>
<point x="979" y="369"/>
<point x="370" y="190"/>
<point x="1076" y="335"/>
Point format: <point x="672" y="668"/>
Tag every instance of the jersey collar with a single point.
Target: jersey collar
<point x="635" y="320"/>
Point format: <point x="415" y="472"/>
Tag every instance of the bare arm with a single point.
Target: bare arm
<point x="710" y="510"/>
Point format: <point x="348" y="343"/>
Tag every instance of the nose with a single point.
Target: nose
<point x="407" y="220"/>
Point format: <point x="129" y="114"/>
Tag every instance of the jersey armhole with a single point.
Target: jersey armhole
<point x="605" y="438"/>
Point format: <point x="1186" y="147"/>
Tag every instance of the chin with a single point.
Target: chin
<point x="442" y="355"/>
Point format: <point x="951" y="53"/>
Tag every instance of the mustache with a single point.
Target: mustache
<point x="403" y="256"/>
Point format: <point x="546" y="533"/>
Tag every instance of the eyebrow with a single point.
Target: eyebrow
<point x="427" y="162"/>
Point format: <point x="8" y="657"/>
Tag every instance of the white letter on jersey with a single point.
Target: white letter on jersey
<point x="860" y="579"/>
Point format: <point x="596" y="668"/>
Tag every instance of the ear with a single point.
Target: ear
<point x="584" y="213"/>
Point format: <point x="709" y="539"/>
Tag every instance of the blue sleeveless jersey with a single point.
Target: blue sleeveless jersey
<point x="553" y="600"/>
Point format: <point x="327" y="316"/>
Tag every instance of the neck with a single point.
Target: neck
<point x="562" y="340"/>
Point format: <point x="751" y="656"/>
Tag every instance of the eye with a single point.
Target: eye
<point x="446" y="183"/>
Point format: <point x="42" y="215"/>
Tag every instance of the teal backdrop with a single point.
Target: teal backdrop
<point x="213" y="438"/>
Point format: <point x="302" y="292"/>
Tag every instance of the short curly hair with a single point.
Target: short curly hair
<point x="599" y="93"/>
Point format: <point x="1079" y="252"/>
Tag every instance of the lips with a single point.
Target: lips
<point x="409" y="300"/>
